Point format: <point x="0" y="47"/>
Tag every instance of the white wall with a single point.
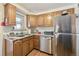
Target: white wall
<point x="1" y="29"/>
<point x="77" y="40"/>
<point x="77" y="29"/>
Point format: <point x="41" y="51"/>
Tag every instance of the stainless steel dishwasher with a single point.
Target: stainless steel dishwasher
<point x="45" y="44"/>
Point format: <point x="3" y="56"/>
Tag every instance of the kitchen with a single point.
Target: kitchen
<point x="31" y="29"/>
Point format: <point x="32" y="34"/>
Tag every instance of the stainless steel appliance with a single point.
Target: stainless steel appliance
<point x="64" y="43"/>
<point x="45" y="44"/>
<point x="45" y="39"/>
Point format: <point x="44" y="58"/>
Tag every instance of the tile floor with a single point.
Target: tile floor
<point x="37" y="53"/>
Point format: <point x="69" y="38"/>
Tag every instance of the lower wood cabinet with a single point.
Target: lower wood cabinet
<point x="36" y="42"/>
<point x="25" y="47"/>
<point x="31" y="44"/>
<point x="17" y="48"/>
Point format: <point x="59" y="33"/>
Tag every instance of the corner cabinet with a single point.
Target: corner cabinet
<point x="10" y="14"/>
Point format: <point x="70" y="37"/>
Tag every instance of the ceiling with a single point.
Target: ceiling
<point x="41" y="7"/>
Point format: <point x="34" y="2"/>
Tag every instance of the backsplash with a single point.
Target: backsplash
<point x="45" y="28"/>
<point x="7" y="28"/>
<point x="33" y="30"/>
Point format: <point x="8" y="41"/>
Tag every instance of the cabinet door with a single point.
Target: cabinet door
<point x="10" y="14"/>
<point x="25" y="47"/>
<point x="70" y="11"/>
<point x="36" y="42"/>
<point x="17" y="48"/>
<point x="31" y="44"/>
<point x="32" y="21"/>
<point x="48" y="20"/>
<point x="40" y="20"/>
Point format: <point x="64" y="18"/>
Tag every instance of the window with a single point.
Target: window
<point x="19" y="22"/>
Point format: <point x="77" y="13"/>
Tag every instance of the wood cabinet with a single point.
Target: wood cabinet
<point x="71" y="11"/>
<point x="37" y="42"/>
<point x="25" y="46"/>
<point x="17" y="48"/>
<point x="31" y="44"/>
<point x="32" y="21"/>
<point x="40" y="21"/>
<point x="22" y="47"/>
<point x="44" y="20"/>
<point x="10" y="14"/>
<point x="48" y="21"/>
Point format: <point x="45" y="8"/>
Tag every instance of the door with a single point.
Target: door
<point x="36" y="42"/>
<point x="17" y="48"/>
<point x="40" y="20"/>
<point x="25" y="48"/>
<point x="48" y="20"/>
<point x="64" y="45"/>
<point x="62" y="24"/>
<point x="32" y="21"/>
<point x="10" y="14"/>
<point x="31" y="44"/>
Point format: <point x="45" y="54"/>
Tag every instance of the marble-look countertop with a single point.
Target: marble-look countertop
<point x="28" y="35"/>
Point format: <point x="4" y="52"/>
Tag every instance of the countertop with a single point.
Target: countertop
<point x="16" y="38"/>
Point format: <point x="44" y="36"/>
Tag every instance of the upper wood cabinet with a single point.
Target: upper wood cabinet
<point x="71" y="11"/>
<point x="40" y="20"/>
<point x="44" y="20"/>
<point x="32" y="21"/>
<point x="48" y="21"/>
<point x="10" y="14"/>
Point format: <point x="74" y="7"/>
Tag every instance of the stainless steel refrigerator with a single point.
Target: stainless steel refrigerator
<point x="64" y="41"/>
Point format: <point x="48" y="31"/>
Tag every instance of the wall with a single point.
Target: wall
<point x="77" y="41"/>
<point x="7" y="28"/>
<point x="1" y="28"/>
<point x="77" y="29"/>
